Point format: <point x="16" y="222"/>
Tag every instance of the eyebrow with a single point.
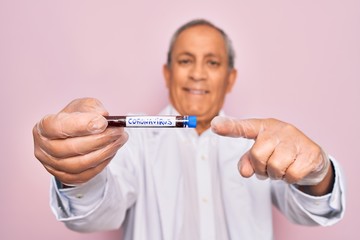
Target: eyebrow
<point x="192" y="55"/>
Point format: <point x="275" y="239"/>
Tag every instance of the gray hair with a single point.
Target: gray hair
<point x="197" y="22"/>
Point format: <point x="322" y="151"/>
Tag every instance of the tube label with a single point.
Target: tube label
<point x="151" y="121"/>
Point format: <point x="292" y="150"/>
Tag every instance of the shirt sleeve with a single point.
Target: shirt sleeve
<point x="98" y="205"/>
<point x="79" y="200"/>
<point x="306" y="209"/>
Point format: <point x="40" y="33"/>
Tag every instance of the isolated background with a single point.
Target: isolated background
<point x="298" y="61"/>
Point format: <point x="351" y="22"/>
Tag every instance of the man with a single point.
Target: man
<point x="184" y="183"/>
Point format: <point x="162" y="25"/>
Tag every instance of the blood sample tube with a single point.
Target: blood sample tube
<point x="152" y="121"/>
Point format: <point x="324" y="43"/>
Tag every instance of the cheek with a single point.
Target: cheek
<point x="178" y="80"/>
<point x="220" y="91"/>
<point x="180" y="73"/>
<point x="219" y="85"/>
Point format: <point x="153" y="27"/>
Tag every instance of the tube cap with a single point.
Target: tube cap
<point x="191" y="122"/>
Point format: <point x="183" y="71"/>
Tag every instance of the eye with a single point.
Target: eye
<point x="213" y="63"/>
<point x="185" y="61"/>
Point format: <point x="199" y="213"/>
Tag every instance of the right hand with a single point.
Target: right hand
<point x="75" y="144"/>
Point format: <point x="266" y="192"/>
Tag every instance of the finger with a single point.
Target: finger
<point x="246" y="169"/>
<point x="303" y="166"/>
<point x="86" y="105"/>
<point x="244" y="166"/>
<point x="247" y="128"/>
<point x="260" y="153"/>
<point x="78" y="164"/>
<point x="64" y="125"/>
<point x="295" y="173"/>
<point x="79" y="178"/>
<point x="280" y="160"/>
<point x="71" y="147"/>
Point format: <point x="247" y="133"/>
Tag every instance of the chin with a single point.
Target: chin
<point x="194" y="111"/>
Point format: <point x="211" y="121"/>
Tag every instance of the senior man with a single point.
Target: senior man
<point x="185" y="183"/>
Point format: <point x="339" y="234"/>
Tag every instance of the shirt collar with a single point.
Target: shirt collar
<point x="170" y="110"/>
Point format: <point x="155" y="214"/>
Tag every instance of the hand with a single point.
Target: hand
<point x="75" y="144"/>
<point x="280" y="150"/>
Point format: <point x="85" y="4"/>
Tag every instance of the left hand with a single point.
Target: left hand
<point x="280" y="151"/>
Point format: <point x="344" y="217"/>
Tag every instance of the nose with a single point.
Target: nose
<point x="198" y="72"/>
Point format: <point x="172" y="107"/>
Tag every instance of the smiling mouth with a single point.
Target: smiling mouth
<point x="196" y="91"/>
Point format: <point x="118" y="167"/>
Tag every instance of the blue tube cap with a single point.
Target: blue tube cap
<point x="191" y="122"/>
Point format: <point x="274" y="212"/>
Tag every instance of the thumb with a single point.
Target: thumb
<point x="247" y="128"/>
<point x="244" y="166"/>
<point x="76" y="124"/>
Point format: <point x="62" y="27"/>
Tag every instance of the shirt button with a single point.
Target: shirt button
<point x="204" y="200"/>
<point x="79" y="195"/>
<point x="203" y="157"/>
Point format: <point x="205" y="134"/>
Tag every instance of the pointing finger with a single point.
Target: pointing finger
<point x="247" y="128"/>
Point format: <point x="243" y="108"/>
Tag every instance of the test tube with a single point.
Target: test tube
<point x="152" y="121"/>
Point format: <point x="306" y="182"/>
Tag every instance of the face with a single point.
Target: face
<point x="199" y="77"/>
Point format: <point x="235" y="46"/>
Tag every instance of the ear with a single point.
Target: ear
<point x="167" y="74"/>
<point x="231" y="80"/>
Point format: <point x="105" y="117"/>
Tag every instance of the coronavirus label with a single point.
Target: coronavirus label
<point x="150" y="121"/>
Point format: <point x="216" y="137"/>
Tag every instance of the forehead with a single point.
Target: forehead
<point x="200" y="38"/>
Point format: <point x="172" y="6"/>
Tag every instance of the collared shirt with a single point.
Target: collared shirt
<point x="175" y="184"/>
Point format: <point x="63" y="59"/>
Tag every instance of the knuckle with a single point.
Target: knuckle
<point x="275" y="122"/>
<point x="35" y="130"/>
<point x="274" y="167"/>
<point x="289" y="127"/>
<point x="93" y="104"/>
<point x="255" y="154"/>
<point x="44" y="157"/>
<point x="45" y="123"/>
<point x="91" y="101"/>
<point x="258" y="157"/>
<point x="291" y="177"/>
<point x="275" y="173"/>
<point x="82" y="104"/>
<point x="38" y="153"/>
<point x="122" y="140"/>
<point x="272" y="120"/>
<point x="53" y="172"/>
<point x="315" y="149"/>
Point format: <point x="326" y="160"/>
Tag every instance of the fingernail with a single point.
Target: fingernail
<point x="216" y="120"/>
<point x="97" y="124"/>
<point x="214" y="123"/>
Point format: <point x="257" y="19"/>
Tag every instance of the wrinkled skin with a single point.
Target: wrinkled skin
<point x="75" y="144"/>
<point x="280" y="152"/>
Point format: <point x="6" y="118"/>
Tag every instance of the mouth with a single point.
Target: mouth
<point x="196" y="91"/>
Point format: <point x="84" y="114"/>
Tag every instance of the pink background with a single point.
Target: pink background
<point x="298" y="61"/>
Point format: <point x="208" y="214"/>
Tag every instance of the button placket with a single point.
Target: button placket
<point x="203" y="170"/>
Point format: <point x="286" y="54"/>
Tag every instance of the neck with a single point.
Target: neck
<point x="202" y="126"/>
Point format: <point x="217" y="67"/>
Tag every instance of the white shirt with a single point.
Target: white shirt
<point x="174" y="184"/>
